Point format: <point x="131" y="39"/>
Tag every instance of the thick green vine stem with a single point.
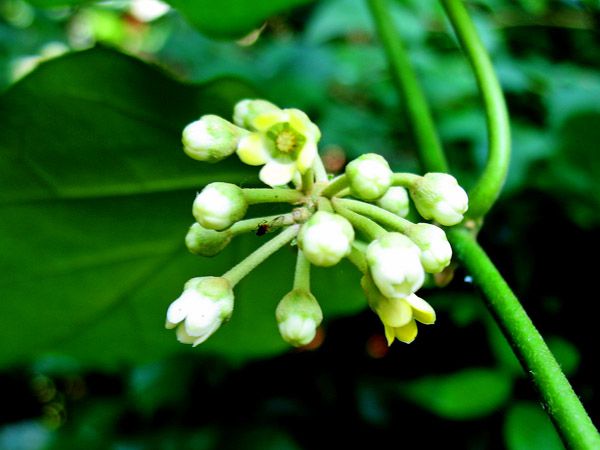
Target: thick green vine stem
<point x="487" y="189"/>
<point x="562" y="404"/>
<point x="430" y="149"/>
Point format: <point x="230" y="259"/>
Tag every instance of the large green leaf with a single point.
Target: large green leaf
<point x="224" y="19"/>
<point x="95" y="199"/>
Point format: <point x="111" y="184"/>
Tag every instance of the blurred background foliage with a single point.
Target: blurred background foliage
<point x="95" y="199"/>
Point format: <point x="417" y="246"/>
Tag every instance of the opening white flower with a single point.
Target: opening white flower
<point x="201" y="309"/>
<point x="283" y="140"/>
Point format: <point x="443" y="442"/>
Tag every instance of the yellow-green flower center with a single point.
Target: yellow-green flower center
<point x="286" y="141"/>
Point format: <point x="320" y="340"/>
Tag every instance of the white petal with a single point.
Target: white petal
<point x="422" y="311"/>
<point x="389" y="334"/>
<point x="203" y="315"/>
<point x="264" y="121"/>
<point x="207" y="333"/>
<point x="178" y="310"/>
<point x="407" y="333"/>
<point x="252" y="150"/>
<point x="182" y="335"/>
<point x="446" y="214"/>
<point x="276" y="174"/>
<point x="394" y="312"/>
<point x="307" y="155"/>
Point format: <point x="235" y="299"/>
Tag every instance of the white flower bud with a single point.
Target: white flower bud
<point x="393" y="312"/>
<point x="369" y="176"/>
<point x="245" y="111"/>
<point x="436" y="251"/>
<point x="201" y="309"/>
<point x="326" y="238"/>
<point x="219" y="205"/>
<point x="395" y="200"/>
<point x="205" y="242"/>
<point x="395" y="265"/>
<point x="211" y="138"/>
<point x="298" y="316"/>
<point x="438" y="196"/>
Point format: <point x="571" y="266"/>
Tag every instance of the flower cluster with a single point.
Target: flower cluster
<point x="359" y="215"/>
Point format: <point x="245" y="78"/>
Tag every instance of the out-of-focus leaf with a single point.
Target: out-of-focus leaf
<point x="527" y="427"/>
<point x="337" y="19"/>
<point x="224" y="19"/>
<point x="29" y="435"/>
<point x="160" y="384"/>
<point x="231" y="18"/>
<point x="565" y="353"/>
<point x="463" y="395"/>
<point x="259" y="438"/>
<point x="574" y="175"/>
<point x="501" y="349"/>
<point x="95" y="195"/>
<point x="530" y="146"/>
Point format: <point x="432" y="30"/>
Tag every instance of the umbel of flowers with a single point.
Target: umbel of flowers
<point x="359" y="215"/>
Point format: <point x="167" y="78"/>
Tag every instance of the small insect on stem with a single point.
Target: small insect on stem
<point x="267" y="226"/>
<point x="262" y="228"/>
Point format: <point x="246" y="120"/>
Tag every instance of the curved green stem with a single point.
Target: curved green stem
<point x="272" y="195"/>
<point x="405" y="179"/>
<point x="254" y="259"/>
<point x="487" y="189"/>
<point x="376" y="213"/>
<point x="337" y="184"/>
<point x="364" y="224"/>
<point x="562" y="404"/>
<point x="302" y="273"/>
<point x="428" y="143"/>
